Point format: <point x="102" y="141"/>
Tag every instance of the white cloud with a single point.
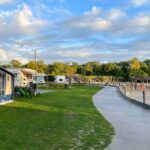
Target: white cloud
<point x="75" y="54"/>
<point x="96" y="24"/>
<point x="93" y="20"/>
<point x="4" y="56"/>
<point x="95" y="11"/>
<point x="103" y="35"/>
<point x="27" y="22"/>
<point x="20" y="21"/>
<point x="100" y="24"/>
<point x="7" y="56"/>
<point x="6" y="1"/>
<point x="96" y="20"/>
<point x="142" y="20"/>
<point x="138" y="3"/>
<point x="115" y="14"/>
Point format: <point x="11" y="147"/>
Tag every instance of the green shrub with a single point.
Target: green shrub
<point x="78" y="84"/>
<point x="53" y="86"/>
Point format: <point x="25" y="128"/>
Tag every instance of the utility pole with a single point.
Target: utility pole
<point x="35" y="59"/>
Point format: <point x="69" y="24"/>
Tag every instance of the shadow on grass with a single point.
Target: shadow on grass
<point x="21" y="105"/>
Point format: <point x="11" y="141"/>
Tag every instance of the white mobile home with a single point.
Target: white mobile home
<point x="40" y="78"/>
<point x="29" y="73"/>
<point x="60" y="79"/>
<point x="20" y="77"/>
<point x="34" y="76"/>
<point x="6" y="85"/>
<point x="23" y="77"/>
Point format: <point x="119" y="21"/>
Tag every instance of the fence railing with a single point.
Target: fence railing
<point x="136" y="91"/>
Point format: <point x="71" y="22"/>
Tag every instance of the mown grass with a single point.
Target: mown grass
<point x="63" y="120"/>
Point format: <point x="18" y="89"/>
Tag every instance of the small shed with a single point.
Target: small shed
<point x="6" y="85"/>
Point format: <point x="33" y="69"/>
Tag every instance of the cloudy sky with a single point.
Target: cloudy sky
<point x="74" y="30"/>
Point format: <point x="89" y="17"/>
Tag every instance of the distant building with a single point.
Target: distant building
<point x="29" y="73"/>
<point x="24" y="77"/>
<point x="40" y="78"/>
<point x="20" y="78"/>
<point x="60" y="79"/>
<point x="6" y="85"/>
<point x="34" y="76"/>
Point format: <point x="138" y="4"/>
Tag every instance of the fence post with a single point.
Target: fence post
<point x="143" y="97"/>
<point x="125" y="90"/>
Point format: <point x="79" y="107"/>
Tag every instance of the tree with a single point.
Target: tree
<point x="81" y="70"/>
<point x="70" y="70"/>
<point x="110" y="69"/>
<point x="144" y="67"/>
<point x="15" y="63"/>
<point x="147" y="61"/>
<point x="57" y="68"/>
<point x="138" y="74"/>
<point x="88" y="68"/>
<point x="134" y="64"/>
<point x="138" y="69"/>
<point x="96" y="67"/>
<point x="40" y="66"/>
<point x="124" y="67"/>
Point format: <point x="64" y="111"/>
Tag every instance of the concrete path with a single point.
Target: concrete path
<point x="131" y="122"/>
<point x="46" y="91"/>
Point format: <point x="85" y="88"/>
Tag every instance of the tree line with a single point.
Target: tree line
<point x="124" y="69"/>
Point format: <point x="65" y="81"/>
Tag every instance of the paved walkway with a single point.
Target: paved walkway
<point x="131" y="122"/>
<point x="46" y="91"/>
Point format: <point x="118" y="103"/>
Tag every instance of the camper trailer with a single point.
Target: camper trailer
<point x="60" y="79"/>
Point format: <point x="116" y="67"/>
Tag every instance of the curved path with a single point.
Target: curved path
<point x="131" y="122"/>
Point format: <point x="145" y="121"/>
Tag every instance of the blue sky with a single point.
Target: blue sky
<point x="74" y="30"/>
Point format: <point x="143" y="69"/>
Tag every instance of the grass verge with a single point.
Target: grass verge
<point x="63" y="120"/>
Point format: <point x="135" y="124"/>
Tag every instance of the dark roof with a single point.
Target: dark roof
<point x="6" y="71"/>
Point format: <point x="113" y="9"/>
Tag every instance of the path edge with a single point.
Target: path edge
<point x="133" y="100"/>
<point x="113" y="137"/>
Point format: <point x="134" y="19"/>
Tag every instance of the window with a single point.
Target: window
<point x="60" y="80"/>
<point x="29" y="76"/>
<point x="15" y="75"/>
<point x="2" y="83"/>
<point x="8" y="78"/>
<point x="40" y="78"/>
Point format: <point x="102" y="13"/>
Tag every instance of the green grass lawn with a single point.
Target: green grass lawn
<point x="63" y="120"/>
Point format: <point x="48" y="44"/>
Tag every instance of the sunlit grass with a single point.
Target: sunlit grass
<point x="65" y="119"/>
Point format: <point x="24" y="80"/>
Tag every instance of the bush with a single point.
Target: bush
<point x="78" y="84"/>
<point x="54" y="86"/>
